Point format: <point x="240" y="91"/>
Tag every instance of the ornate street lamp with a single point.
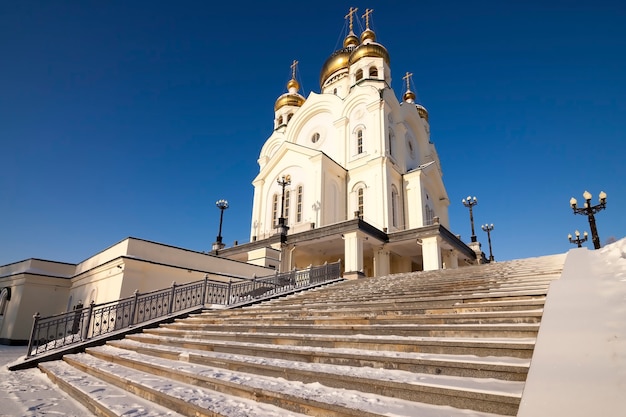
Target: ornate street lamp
<point x="578" y="240"/>
<point x="589" y="211"/>
<point x="471" y="202"/>
<point x="222" y="205"/>
<point x="283" y="181"/>
<point x="488" y="228"/>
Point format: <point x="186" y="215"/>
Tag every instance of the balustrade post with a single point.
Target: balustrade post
<point x="205" y="288"/>
<point x="171" y="306"/>
<point x="36" y="318"/>
<point x="85" y="332"/>
<point x="133" y="310"/>
<point x="230" y="283"/>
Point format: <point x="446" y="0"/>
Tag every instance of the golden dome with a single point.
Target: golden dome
<point x="422" y="111"/>
<point x="368" y="35"/>
<point x="339" y="59"/>
<point x="371" y="49"/>
<point x="409" y="96"/>
<point x="291" y="97"/>
<point x="350" y="40"/>
<point x="293" y="84"/>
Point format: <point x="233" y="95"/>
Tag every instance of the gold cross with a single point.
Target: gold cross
<point x="294" y="65"/>
<point x="351" y="16"/>
<point x="366" y="16"/>
<point x="407" y="77"/>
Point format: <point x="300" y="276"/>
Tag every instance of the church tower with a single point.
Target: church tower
<point x="351" y="173"/>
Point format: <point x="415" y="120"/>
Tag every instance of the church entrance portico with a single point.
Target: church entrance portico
<point x="364" y="250"/>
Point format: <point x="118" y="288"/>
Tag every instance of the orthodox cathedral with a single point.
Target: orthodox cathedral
<point x="350" y="173"/>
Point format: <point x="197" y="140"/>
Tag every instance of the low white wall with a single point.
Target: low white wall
<point x="579" y="363"/>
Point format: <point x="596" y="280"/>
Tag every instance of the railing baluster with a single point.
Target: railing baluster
<point x="34" y="330"/>
<point x="85" y="332"/>
<point x="171" y="306"/>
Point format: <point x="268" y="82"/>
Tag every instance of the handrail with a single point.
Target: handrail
<point x="82" y="324"/>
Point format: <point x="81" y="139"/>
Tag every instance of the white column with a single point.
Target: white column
<point x="382" y="263"/>
<point x="353" y="254"/>
<point x="431" y="253"/>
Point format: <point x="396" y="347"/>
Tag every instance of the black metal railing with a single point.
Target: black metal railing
<point x="83" y="324"/>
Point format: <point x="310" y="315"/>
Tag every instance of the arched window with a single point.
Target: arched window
<point x="360" y="201"/>
<point x="5" y="297"/>
<point x="280" y="120"/>
<point x="287" y="199"/>
<point x="359" y="141"/>
<point x="429" y="215"/>
<point x="274" y="209"/>
<point x="299" y="205"/>
<point x="289" y="116"/>
<point x="315" y="138"/>
<point x="391" y="141"/>
<point x="359" y="74"/>
<point x="394" y="206"/>
<point x="373" y="72"/>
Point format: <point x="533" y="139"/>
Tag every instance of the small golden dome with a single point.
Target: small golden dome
<point x="293" y="84"/>
<point x="422" y="111"/>
<point x="371" y="49"/>
<point x="368" y="35"/>
<point x="289" y="99"/>
<point x="409" y="96"/>
<point x="350" y="40"/>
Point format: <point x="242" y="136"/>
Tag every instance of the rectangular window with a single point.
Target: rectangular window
<point x="287" y="204"/>
<point x="299" y="205"/>
<point x="274" y="209"/>
<point x="360" y="201"/>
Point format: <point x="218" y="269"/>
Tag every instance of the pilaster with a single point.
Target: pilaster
<point x="431" y="253"/>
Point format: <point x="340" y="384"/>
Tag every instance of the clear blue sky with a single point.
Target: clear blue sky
<point x="131" y="118"/>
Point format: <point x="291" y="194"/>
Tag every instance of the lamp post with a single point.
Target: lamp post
<point x="283" y="181"/>
<point x="488" y="228"/>
<point x="578" y="240"/>
<point x="222" y="205"/>
<point x="589" y="211"/>
<point x="471" y="202"/>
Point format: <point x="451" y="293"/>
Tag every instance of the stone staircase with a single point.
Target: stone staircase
<point x="438" y="343"/>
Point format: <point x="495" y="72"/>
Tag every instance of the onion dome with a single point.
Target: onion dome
<point x="369" y="47"/>
<point x="291" y="97"/>
<point x="409" y="96"/>
<point x="339" y="59"/>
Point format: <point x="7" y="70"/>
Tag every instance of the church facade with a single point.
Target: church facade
<point x="350" y="173"/>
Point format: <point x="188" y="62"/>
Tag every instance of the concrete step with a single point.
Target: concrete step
<point x="99" y="397"/>
<point x="370" y="318"/>
<point x="416" y="305"/>
<point x="226" y="354"/>
<point x="518" y="348"/>
<point x="412" y="330"/>
<point x="484" y="395"/>
<point x="340" y="294"/>
<point x="180" y="397"/>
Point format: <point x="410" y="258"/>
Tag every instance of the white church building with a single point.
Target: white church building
<point x="350" y="173"/>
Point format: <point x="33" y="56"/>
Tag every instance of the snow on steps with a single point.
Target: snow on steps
<point x="450" y="343"/>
